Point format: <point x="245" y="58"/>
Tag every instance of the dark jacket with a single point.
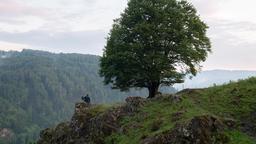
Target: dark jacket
<point x="86" y="99"/>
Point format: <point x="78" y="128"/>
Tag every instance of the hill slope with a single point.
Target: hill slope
<point x="221" y="114"/>
<point x="39" y="89"/>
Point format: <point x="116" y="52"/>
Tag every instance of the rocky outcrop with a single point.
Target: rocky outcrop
<point x="92" y="125"/>
<point x="200" y="130"/>
<point x="89" y="128"/>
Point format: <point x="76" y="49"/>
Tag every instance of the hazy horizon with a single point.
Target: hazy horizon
<point x="81" y="26"/>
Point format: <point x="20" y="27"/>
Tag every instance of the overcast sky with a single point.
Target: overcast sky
<point x="81" y="26"/>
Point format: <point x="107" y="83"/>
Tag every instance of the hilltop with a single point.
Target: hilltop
<point x="220" y="114"/>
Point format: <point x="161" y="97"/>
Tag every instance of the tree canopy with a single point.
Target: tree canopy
<point x="153" y="43"/>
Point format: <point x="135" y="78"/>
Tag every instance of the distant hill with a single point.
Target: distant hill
<point x="215" y="77"/>
<point x="39" y="89"/>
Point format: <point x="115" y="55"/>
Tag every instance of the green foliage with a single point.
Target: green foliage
<point x="154" y="42"/>
<point x="39" y="89"/>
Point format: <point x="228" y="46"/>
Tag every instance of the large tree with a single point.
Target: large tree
<point x="155" y="42"/>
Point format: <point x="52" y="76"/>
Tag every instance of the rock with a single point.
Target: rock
<point x="230" y="123"/>
<point x="149" y="140"/>
<point x="133" y="103"/>
<point x="200" y="130"/>
<point x="248" y="124"/>
<point x="109" y="121"/>
<point x="86" y="127"/>
<point x="45" y="136"/>
<point x="60" y="134"/>
<point x="81" y="116"/>
<point x="177" y="116"/>
<point x="81" y="108"/>
<point x="175" y="98"/>
<point x="6" y="133"/>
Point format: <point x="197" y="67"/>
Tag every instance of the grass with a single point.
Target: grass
<point x="237" y="137"/>
<point x="99" y="109"/>
<point x="157" y="113"/>
<point x="233" y="100"/>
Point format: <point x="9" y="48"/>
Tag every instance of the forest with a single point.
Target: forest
<point x="39" y="89"/>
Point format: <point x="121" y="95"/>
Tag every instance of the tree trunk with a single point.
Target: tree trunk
<point x="153" y="89"/>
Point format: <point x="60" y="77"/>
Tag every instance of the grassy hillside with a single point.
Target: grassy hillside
<point x="218" y="115"/>
<point x="236" y="101"/>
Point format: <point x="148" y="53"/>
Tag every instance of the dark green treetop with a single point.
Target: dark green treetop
<point x="154" y="42"/>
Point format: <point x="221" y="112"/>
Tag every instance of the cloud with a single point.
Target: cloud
<point x="81" y="26"/>
<point x="60" y="25"/>
<point x="232" y="33"/>
<point x="233" y="57"/>
<point x="17" y="16"/>
<point x="72" y="42"/>
<point x="233" y="45"/>
<point x="6" y="46"/>
<point x="58" y="15"/>
<point x="14" y="8"/>
<point x="206" y="7"/>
